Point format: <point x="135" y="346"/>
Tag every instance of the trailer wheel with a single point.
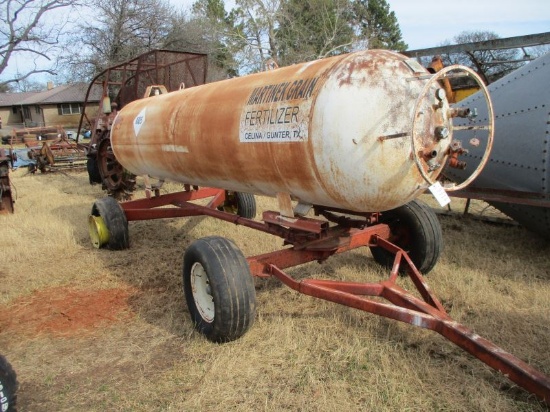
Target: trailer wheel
<point x="108" y="225"/>
<point x="414" y="228"/>
<point x="8" y="386"/>
<point x="241" y="204"/>
<point x="219" y="289"/>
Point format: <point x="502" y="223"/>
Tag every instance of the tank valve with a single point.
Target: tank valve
<point x="459" y="112"/>
<point x="431" y="160"/>
<point x="456" y="150"/>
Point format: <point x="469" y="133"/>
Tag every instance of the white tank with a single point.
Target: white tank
<point x="350" y="132"/>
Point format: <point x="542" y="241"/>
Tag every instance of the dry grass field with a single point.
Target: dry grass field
<point x="100" y="330"/>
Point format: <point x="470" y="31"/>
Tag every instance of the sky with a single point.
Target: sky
<point x="429" y="23"/>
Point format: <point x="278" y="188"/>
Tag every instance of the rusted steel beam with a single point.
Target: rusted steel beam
<point x="176" y="199"/>
<point x="152" y="214"/>
<point x="495" y="44"/>
<point x="510" y="366"/>
<point x="335" y="242"/>
<point x="505" y="196"/>
<point x="305" y="224"/>
<point x="151" y="208"/>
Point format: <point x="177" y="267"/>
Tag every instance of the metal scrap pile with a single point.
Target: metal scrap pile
<point x="50" y="148"/>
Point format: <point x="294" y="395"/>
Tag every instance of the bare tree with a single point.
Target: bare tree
<point x="218" y="35"/>
<point x="197" y="34"/>
<point x="491" y="65"/>
<point x="26" y="34"/>
<point x="255" y="28"/>
<point x="121" y="30"/>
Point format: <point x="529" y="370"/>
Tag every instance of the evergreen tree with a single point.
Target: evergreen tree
<point x="311" y="29"/>
<point x="376" y="25"/>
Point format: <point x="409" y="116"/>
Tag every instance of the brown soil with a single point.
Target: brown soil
<point x="63" y="311"/>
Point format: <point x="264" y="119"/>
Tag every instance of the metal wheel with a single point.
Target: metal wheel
<point x="6" y="199"/>
<point x="219" y="289"/>
<point x="202" y="292"/>
<point x="110" y="169"/>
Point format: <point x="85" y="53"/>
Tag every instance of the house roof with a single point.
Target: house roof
<point x="68" y="93"/>
<point x="12" y="99"/>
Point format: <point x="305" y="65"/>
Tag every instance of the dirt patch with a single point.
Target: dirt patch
<point x="65" y="311"/>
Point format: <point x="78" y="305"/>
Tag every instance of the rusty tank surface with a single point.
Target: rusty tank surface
<point x="367" y="131"/>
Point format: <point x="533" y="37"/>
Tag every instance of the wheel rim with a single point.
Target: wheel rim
<point x="202" y="292"/>
<point x="99" y="234"/>
<point x="231" y="204"/>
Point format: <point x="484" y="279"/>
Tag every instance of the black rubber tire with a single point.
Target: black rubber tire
<point x="241" y="204"/>
<point x="228" y="284"/>
<point x="115" y="220"/>
<point x="416" y="229"/>
<point x="93" y="171"/>
<point x="8" y="386"/>
<point x="246" y="205"/>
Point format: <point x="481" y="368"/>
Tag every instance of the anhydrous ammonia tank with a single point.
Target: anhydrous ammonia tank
<point x="349" y="132"/>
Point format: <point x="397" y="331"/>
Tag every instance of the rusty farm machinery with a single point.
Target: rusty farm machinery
<point x="6" y="197"/>
<point x="120" y="85"/>
<point x="48" y="148"/>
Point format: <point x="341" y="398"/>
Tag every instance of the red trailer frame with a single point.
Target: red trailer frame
<point x="317" y="240"/>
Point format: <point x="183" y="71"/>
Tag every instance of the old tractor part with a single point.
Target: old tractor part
<point x="32" y="134"/>
<point x="120" y="85"/>
<point x="221" y="296"/>
<point x="116" y="180"/>
<point x="6" y="197"/>
<point x="57" y="152"/>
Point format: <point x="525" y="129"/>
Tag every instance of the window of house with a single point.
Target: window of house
<point x="68" y="108"/>
<point x="14" y="109"/>
<point x="37" y="109"/>
<point x="26" y="112"/>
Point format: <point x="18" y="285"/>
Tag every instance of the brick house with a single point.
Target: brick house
<point x="56" y="106"/>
